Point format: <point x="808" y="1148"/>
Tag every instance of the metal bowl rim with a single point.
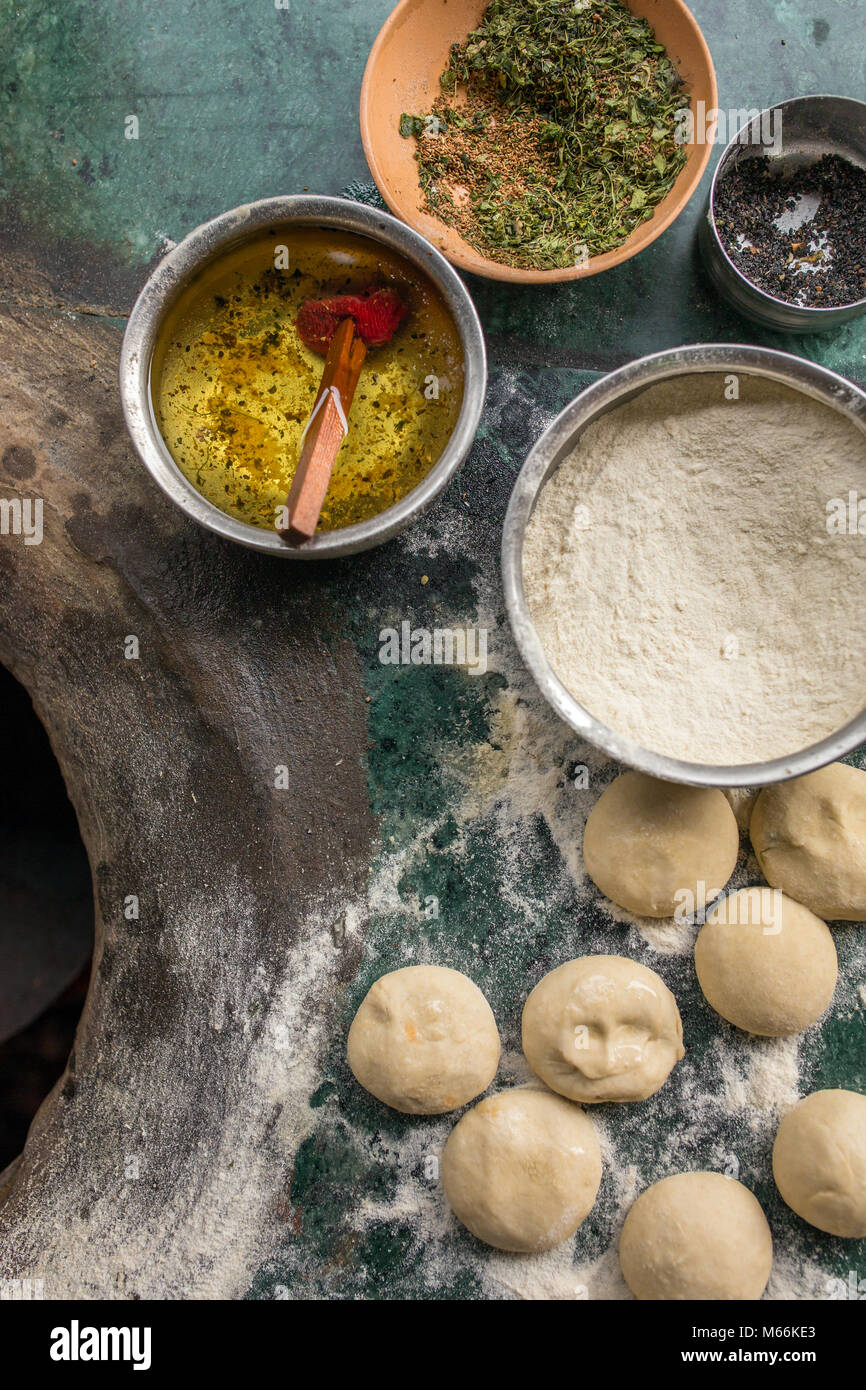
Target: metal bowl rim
<point x="787" y="369"/>
<point x="203" y="245"/>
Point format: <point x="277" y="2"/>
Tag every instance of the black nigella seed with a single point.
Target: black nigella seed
<point x="820" y="262"/>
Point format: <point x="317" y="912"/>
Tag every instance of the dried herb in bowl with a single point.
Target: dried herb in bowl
<point x="556" y="132"/>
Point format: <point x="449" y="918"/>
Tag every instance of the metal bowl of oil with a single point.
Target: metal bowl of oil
<point x="216" y="387"/>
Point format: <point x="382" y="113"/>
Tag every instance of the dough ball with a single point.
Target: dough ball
<point x="648" y="844"/>
<point x="810" y="839"/>
<point x="696" y="1235"/>
<point x="522" y="1169"/>
<point x="819" y="1161"/>
<point x="602" y="1028"/>
<point x="765" y="963"/>
<point x="424" y="1040"/>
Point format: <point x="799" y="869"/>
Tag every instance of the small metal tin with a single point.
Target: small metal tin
<point x="544" y="458"/>
<point x="810" y="127"/>
<point x="206" y="244"/>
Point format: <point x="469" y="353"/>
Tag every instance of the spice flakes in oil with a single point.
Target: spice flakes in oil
<point x="233" y="385"/>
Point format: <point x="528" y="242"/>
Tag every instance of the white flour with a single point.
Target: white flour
<point x="682" y="577"/>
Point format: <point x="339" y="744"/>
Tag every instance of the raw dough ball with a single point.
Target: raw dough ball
<point x="424" y="1040"/>
<point x="765" y="963"/>
<point x="696" y="1235"/>
<point x="819" y="1161"/>
<point x="522" y="1169"/>
<point x="602" y="1028"/>
<point x="810" y="839"/>
<point x="648" y="844"/>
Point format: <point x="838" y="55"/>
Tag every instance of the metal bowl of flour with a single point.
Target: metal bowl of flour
<point x="556" y="444"/>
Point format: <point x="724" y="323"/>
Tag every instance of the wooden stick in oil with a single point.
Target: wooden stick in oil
<point x="325" y="434"/>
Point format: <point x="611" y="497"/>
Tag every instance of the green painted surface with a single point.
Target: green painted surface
<point x="236" y="102"/>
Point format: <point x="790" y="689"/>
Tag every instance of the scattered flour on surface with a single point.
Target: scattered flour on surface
<point x="761" y="1077"/>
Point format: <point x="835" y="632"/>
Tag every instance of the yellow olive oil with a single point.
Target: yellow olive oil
<point x="233" y="385"/>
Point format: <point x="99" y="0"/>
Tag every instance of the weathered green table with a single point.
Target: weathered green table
<point x="208" y="1139"/>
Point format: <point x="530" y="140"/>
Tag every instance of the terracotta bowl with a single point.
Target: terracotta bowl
<point x="402" y="74"/>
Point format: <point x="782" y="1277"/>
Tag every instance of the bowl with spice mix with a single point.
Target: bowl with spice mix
<point x="784" y="235"/>
<point x="303" y="375"/>
<point x="538" y="140"/>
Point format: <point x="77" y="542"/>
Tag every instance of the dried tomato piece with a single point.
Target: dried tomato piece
<point x="316" y="325"/>
<point x="377" y="313"/>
